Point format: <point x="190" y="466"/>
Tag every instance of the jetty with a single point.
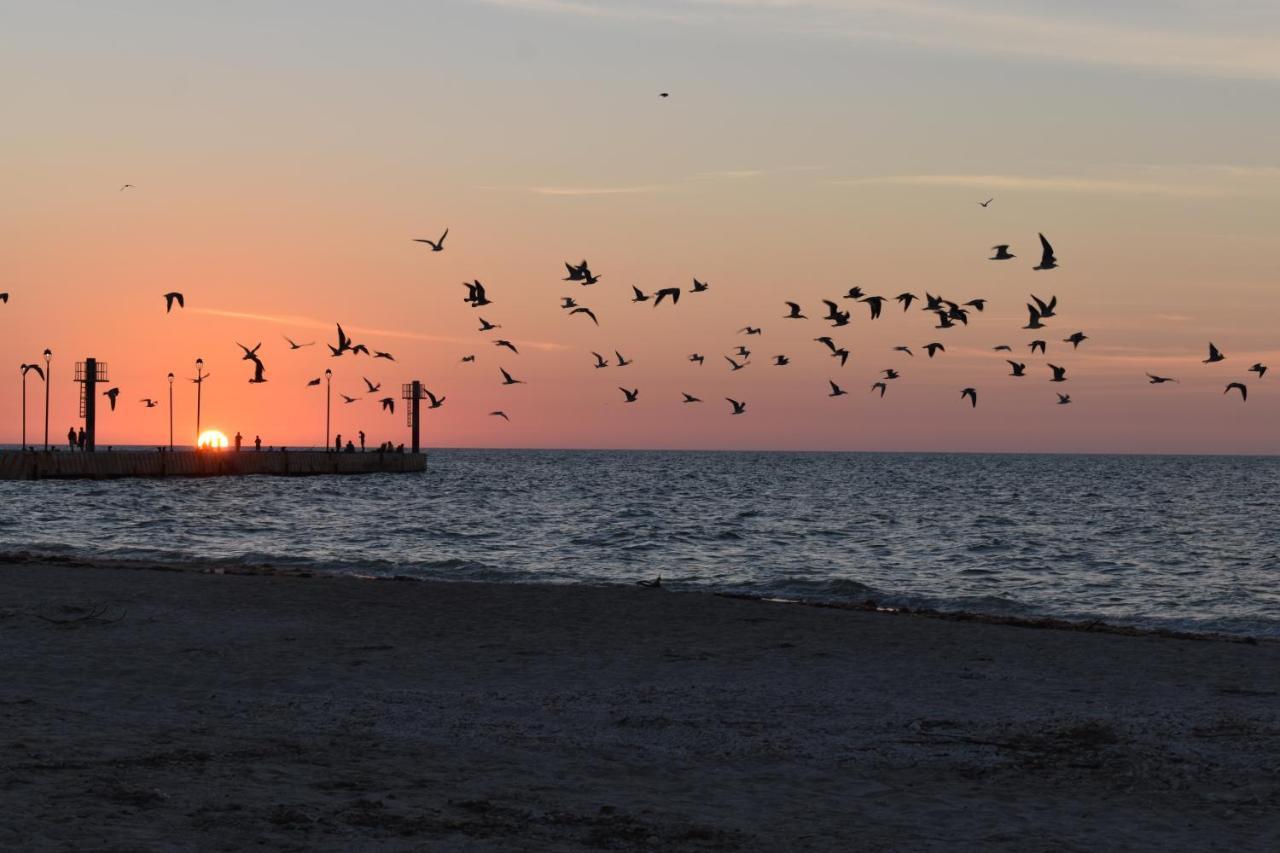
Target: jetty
<point x="114" y="464"/>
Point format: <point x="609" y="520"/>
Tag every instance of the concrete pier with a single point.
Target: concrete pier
<point x="47" y="465"/>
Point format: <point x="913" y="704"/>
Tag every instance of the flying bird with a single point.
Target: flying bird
<point x="1158" y="380"/>
<point x="502" y="415"/>
<point x="698" y="358"/>
<point x="295" y="345"/>
<point x="507" y="344"/>
<point x="577" y="273"/>
<point x="882" y="388"/>
<point x="751" y="330"/>
<point x="689" y="398"/>
<point x="842" y="354"/>
<point x="111" y="394"/>
<point x="1019" y="368"/>
<point x="1002" y="348"/>
<point x="1001" y="253"/>
<point x="1037" y="345"/>
<point x="507" y="380"/>
<point x="314" y="382"/>
<point x="1059" y="373"/>
<point x="486" y="326"/>
<point x="588" y="312"/>
<point x="855" y="292"/>
<point x="356" y="349"/>
<point x="934" y="348"/>
<point x="735" y="365"/>
<point x="836" y="390"/>
<point x="875" y="303"/>
<point x="1214" y="355"/>
<point x="1045" y="309"/>
<point x="664" y="94"/>
<point x="908" y="351"/>
<point x="124" y="187"/>
<point x="700" y="286"/>
<point x="1259" y="368"/>
<point x="1064" y="399"/>
<point x="249" y="354"/>
<point x="1047" y="259"/>
<point x="379" y="354"/>
<point x="890" y="373"/>
<point x="172" y="297"/>
<point x="567" y="302"/>
<point x="641" y="296"/>
<point x="373" y="389"/>
<point x="980" y="304"/>
<point x="972" y="394"/>
<point x="673" y="292"/>
<point x="781" y="361"/>
<point x="1076" y="339"/>
<point x="630" y="395"/>
<point x="622" y="362"/>
<point x="468" y="359"/>
<point x="985" y="203"/>
<point x="906" y="299"/>
<point x="259" y="373"/>
<point x="436" y="402"/>
<point x="738" y="408"/>
<point x="601" y="361"/>
<point x="148" y="402"/>
<point x="1239" y="386"/>
<point x="1034" y="322"/>
<point x="436" y="245"/>
<point x="346" y="399"/>
<point x="4" y="296"/>
<point x="476" y="294"/>
<point x="388" y="404"/>
<point x="794" y="312"/>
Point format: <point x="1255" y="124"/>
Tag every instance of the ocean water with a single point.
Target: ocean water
<point x="1176" y="542"/>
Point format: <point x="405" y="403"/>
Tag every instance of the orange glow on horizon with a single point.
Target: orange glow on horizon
<point x="211" y="439"/>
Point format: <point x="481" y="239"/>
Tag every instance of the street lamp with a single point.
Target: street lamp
<point x="27" y="368"/>
<point x="328" y="404"/>
<point x="170" y="412"/>
<point x="199" y="388"/>
<point x="48" y="357"/>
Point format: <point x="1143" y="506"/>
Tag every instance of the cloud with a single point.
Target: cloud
<point x="1193" y="188"/>
<point x="584" y="191"/>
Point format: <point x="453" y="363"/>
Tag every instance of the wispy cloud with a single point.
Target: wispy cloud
<point x="1190" y="38"/>
<point x="1192" y="187"/>
<point x="580" y="191"/>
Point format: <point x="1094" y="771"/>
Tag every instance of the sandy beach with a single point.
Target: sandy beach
<point x="148" y="710"/>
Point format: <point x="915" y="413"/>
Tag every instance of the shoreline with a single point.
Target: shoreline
<point x="147" y="710"/>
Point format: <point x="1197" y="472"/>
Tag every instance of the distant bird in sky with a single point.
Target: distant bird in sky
<point x="476" y="294"/>
<point x="781" y="361"/>
<point x="1002" y="348"/>
<point x="944" y="321"/>
<point x="373" y="389"/>
<point x="588" y="312"/>
<point x="1045" y="309"/>
<point x="1019" y="368"/>
<point x="641" y="296"/>
<point x="855" y="292"/>
<point x="111" y="394"/>
<point x="507" y="344"/>
<point x="1047" y="259"/>
<point x="388" y="404"/>
<point x="295" y="345"/>
<point x="972" y="394"/>
<point x="259" y="372"/>
<point x="700" y="286"/>
<point x="148" y="402"/>
<point x="881" y="386"/>
<point x="486" y="326"/>
<point x="500" y="414"/>
<point x="124" y="187"/>
<point x="906" y="299"/>
<point x="172" y="297"/>
<point x="249" y="354"/>
<point x="735" y="366"/>
<point x="622" y="362"/>
<point x="907" y="350"/>
<point x="1037" y="345"/>
<point x="344" y="342"/>
<point x="689" y="398"/>
<point x="738" y="408"/>
<point x="985" y="203"/>
<point x="346" y="399"/>
<point x="750" y="330"/>
<point x="380" y="354"/>
<point x="507" y="380"/>
<point x="356" y="349"/>
<point x="934" y="348"/>
<point x="576" y="273"/>
<point x="875" y="303"/>
<point x="4" y="296"/>
<point x="673" y="292"/>
<point x="827" y="342"/>
<point x="1158" y="380"/>
<point x="836" y="390"/>
<point x="890" y="373"/>
<point x="1064" y="399"/>
<point x="601" y="361"/>
<point x="698" y="357"/>
<point x="980" y="304"/>
<point x="1259" y="368"/>
<point x="1076" y="339"/>
<point x="590" y="278"/>
<point x="630" y="395"/>
<point x="1238" y="386"/>
<point x="1034" y="322"/>
<point x="468" y="359"/>
<point x="793" y="310"/>
<point x="842" y="354"/>
<point x="743" y="351"/>
<point x="1059" y="373"/>
<point x="314" y="382"/>
<point x="1214" y="355"/>
<point x="1001" y="253"/>
<point x="664" y="94"/>
<point x="435" y="402"/>
<point x="436" y="245"/>
<point x="567" y="302"/>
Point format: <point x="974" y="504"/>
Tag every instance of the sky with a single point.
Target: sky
<point x="282" y="163"/>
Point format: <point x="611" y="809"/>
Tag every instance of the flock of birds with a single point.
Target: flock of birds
<point x="839" y="312"/>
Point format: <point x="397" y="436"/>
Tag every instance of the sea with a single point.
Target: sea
<point x="1174" y="542"/>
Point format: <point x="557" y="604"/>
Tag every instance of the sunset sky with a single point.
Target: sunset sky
<point x="283" y="161"/>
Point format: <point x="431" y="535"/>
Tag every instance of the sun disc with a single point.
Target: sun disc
<point x="211" y="439"/>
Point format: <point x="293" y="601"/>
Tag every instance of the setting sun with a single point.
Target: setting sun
<point x="211" y="439"/>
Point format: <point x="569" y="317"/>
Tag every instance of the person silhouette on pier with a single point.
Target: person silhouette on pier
<point x="337" y="443"/>
<point x="80" y="439"/>
<point x="239" y="439"/>
<point x="71" y="439"/>
<point x="257" y="443"/>
<point x="351" y="447"/>
<point x="361" y="434"/>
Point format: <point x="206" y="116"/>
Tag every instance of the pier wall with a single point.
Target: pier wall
<point x="42" y="465"/>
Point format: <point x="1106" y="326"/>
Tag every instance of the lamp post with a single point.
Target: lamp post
<point x="170" y="412"/>
<point x="24" y="368"/>
<point x="328" y="404"/>
<point x="48" y="357"/>
<point x="199" y="389"/>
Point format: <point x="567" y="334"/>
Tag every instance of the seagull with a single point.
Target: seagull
<point x="698" y="358"/>
<point x="1059" y="373"/>
<point x="486" y="326"/>
<point x="622" y="362"/>
<point x="567" y="302"/>
<point x="890" y="373"/>
<point x="502" y="415"/>
<point x="743" y="351"/>
<point x="259" y="373"/>
<point x="507" y="344"/>
<point x="1064" y="399"/>
<point x="934" y="348"/>
<point x="577" y="273"/>
<point x="664" y="95"/>
<point x="346" y="399"/>
<point x="1239" y="386"/>
<point x="906" y="299"/>
<point x="689" y="398"/>
<point x="641" y="296"/>
<point x="944" y="321"/>
<point x="601" y="361"/>
<point x="980" y="304"/>
<point x="314" y="382"/>
<point x="373" y="389"/>
<point x="836" y="390"/>
<point x="589" y="278"/>
<point x="294" y="344"/>
<point x="1076" y="339"/>
<point x="379" y="354"/>
<point x="172" y="297"/>
<point x="735" y="365"/>
<point x="1002" y="348"/>
<point x="1001" y="253"/>
<point x="985" y="203"/>
<point x="874" y="303"/>
<point x="1214" y="355"/>
<point x="125" y="187"/>
<point x="908" y="351"/>
<point x="588" y="312"/>
<point x="388" y="404"/>
<point x="700" y="286"/>
<point x="781" y="361"/>
<point x="436" y="245"/>
<point x="4" y="296"/>
<point x="249" y="354"/>
<point x="1047" y="260"/>
<point x="751" y="330"/>
<point x="738" y="408"/>
<point x="795" y="312"/>
<point x="359" y="348"/>
<point x="1037" y="345"/>
<point x="842" y="354"/>
<point x="630" y="395"/>
<point x="466" y="359"/>
<point x="656" y="583"/>
<point x="1045" y="309"/>
<point x="1259" y="368"/>
<point x="151" y="404"/>
<point x="1158" y="380"/>
<point x="436" y="402"/>
<point x="475" y="294"/>
<point x="855" y="292"/>
<point x="1034" y="322"/>
<point x="972" y="394"/>
<point x="673" y="292"/>
<point x="882" y="386"/>
<point x="111" y="394"/>
<point x="344" y="343"/>
<point x="827" y="342"/>
<point x="507" y="380"/>
<point x="1019" y="368"/>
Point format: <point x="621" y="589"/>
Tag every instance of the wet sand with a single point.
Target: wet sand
<point x="164" y="710"/>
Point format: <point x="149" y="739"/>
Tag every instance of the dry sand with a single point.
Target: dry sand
<point x="265" y="712"/>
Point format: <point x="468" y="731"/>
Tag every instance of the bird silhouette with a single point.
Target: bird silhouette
<point x="735" y="366"/>
<point x="855" y="292"/>
<point x="249" y="354"/>
<point x="944" y="321"/>
<point x="476" y="294"/>
<point x="874" y="303"/>
<point x="700" y="286"/>
<point x="576" y="273"/>
<point x="380" y="354"/>
<point x="601" y="361"/>
<point x="1259" y="368"/>
<point x="259" y="373"/>
<point x="1001" y="253"/>
<point x="435" y="402"/>
<point x="781" y="361"/>
<point x="882" y="386"/>
<point x="906" y="299"/>
<point x="1037" y="345"/>
<point x="4" y="296"/>
<point x="934" y="348"/>
<point x="842" y="354"/>
<point x="346" y="399"/>
<point x="793" y="312"/>
<point x="567" y="302"/>
<point x="356" y="349"/>
<point x="672" y="292"/>
<point x="972" y="394"/>
<point x="890" y="373"/>
<point x="750" y="330"/>
<point x="314" y="382"/>
<point x="827" y="342"/>
<point x="630" y="395"/>
<point x="1238" y="386"/>
<point x="1064" y="399"/>
<point x="588" y="312"/>
<point x="980" y="304"/>
<point x="373" y="389"/>
<point x="124" y="187"/>
<point x="1019" y="368"/>
<point x="1047" y="259"/>
<point x="1059" y="373"/>
<point x="985" y="203"/>
<point x="507" y="344"/>
<point x="486" y="326"/>
<point x="172" y="297"/>
<point x="148" y="402"/>
<point x="1034" y="322"/>
<point x="1045" y="309"/>
<point x="111" y="394"/>
<point x="641" y="296"/>
<point x="1076" y="339"/>
<point x="295" y="345"/>
<point x="836" y="390"/>
<point x="436" y="245"/>
<point x="743" y="351"/>
<point x="1214" y="355"/>
<point x="907" y="350"/>
<point x="344" y="342"/>
<point x="388" y="404"/>
<point x="500" y="414"/>
<point x="468" y="359"/>
<point x="507" y="380"/>
<point x="1002" y="348"/>
<point x="622" y="362"/>
<point x="689" y="398"/>
<point x="1158" y="380"/>
<point x="664" y="94"/>
<point x="738" y="408"/>
<point x="698" y="358"/>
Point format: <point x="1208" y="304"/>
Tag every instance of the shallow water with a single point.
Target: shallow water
<point x="1184" y="542"/>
